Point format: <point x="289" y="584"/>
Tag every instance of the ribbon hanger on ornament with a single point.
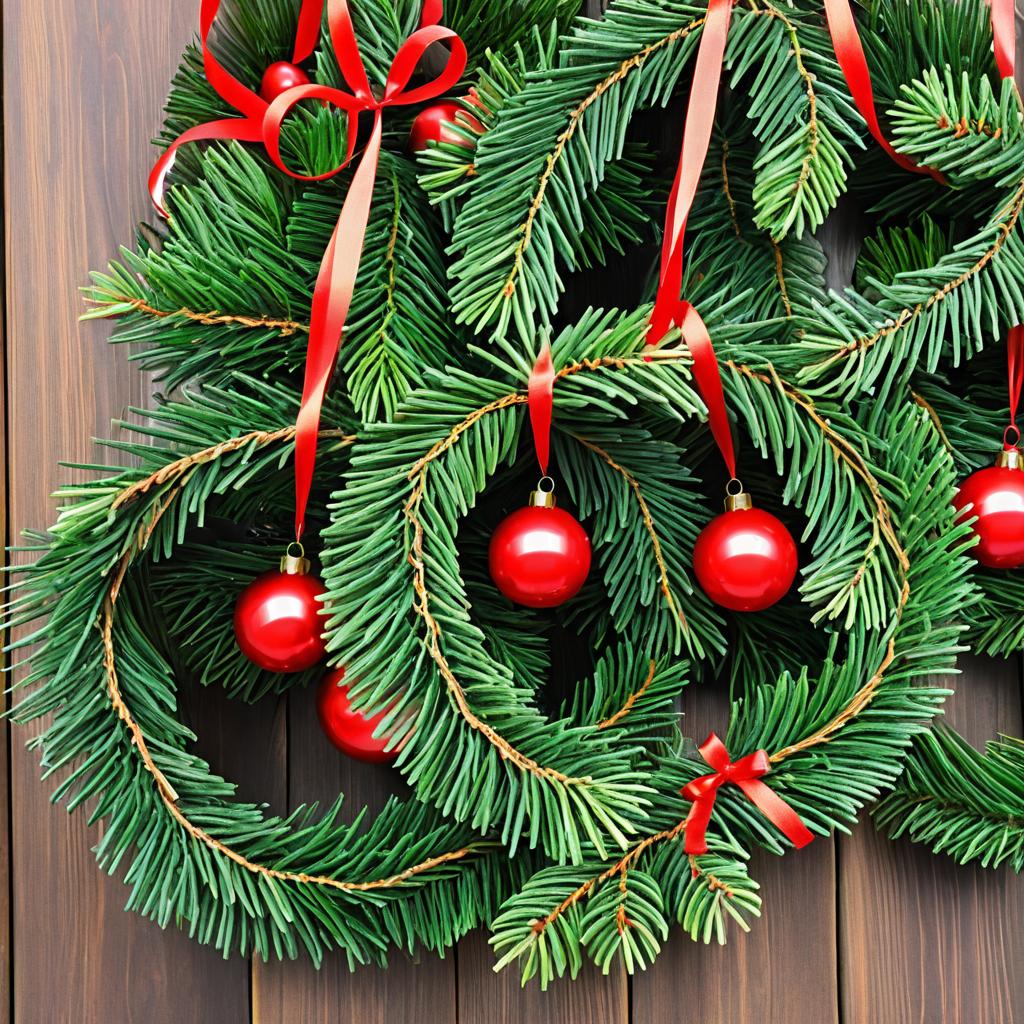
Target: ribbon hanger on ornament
<point x="745" y="560"/>
<point x="669" y="309"/>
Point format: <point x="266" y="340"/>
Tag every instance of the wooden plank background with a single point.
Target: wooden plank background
<point x="860" y="931"/>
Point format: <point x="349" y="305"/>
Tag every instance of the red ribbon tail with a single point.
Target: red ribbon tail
<point x="697" y="128"/>
<point x="240" y="129"/>
<point x="332" y="298"/>
<point x="777" y="811"/>
<point x="541" y="394"/>
<point x="708" y="376"/>
<point x="307" y="33"/>
<point x="433" y="12"/>
<point x="697" y="821"/>
<point x="1004" y="37"/>
<point x="854" y="64"/>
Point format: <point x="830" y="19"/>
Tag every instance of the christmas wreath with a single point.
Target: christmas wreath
<point x="297" y="246"/>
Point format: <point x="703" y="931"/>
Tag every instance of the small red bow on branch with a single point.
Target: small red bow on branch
<point x="745" y="773"/>
<point x="261" y="122"/>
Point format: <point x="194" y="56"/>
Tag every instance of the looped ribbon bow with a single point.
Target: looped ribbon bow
<point x="261" y="122"/>
<point x="746" y="774"/>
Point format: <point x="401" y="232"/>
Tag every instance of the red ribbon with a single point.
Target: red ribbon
<point x="745" y="773"/>
<point x="669" y="309"/>
<point x="851" y="58"/>
<point x="261" y="122"/>
<point x="1015" y="366"/>
<point x="854" y="65"/>
<point x="541" y="393"/>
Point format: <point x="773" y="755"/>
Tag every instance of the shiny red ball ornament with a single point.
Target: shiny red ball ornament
<point x="745" y="559"/>
<point x="281" y="77"/>
<point x="350" y="731"/>
<point x="277" y="619"/>
<point x="540" y="555"/>
<point x="434" y="124"/>
<point x="996" y="497"/>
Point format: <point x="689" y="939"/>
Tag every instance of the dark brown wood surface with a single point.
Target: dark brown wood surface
<point x="860" y="931"/>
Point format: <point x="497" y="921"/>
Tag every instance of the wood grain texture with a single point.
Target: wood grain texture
<point x="5" y="734"/>
<point x="489" y="998"/>
<point x="922" y="940"/>
<point x="785" y="968"/>
<point x="84" y="85"/>
<point x="407" y="993"/>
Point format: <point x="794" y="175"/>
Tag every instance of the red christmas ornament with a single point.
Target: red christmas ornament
<point x="745" y="559"/>
<point x="434" y="124"/>
<point x="996" y="497"/>
<point x="540" y="555"/>
<point x="350" y="731"/>
<point x="281" y="77"/>
<point x="277" y="620"/>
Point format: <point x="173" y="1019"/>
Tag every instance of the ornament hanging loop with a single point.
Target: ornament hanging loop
<point x="294" y="561"/>
<point x="1011" y="438"/>
<point x="1010" y="458"/>
<point x="736" y="497"/>
<point x="544" y="495"/>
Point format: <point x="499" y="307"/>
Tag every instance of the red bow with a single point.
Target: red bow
<point x="261" y="122"/>
<point x="745" y="773"/>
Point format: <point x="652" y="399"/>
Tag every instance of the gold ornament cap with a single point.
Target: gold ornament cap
<point x="544" y="496"/>
<point x="294" y="562"/>
<point x="1010" y="458"/>
<point x="737" y="499"/>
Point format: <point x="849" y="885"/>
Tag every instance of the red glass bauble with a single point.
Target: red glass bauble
<point x="281" y="77"/>
<point x="745" y="560"/>
<point x="540" y="557"/>
<point x="350" y="731"/>
<point x="277" y="622"/>
<point x="996" y="496"/>
<point x="433" y="124"/>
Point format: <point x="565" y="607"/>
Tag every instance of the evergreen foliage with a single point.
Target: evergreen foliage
<point x="552" y="814"/>
<point x="960" y="802"/>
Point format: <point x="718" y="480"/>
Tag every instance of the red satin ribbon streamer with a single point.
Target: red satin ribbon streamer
<point x="669" y="308"/>
<point x="745" y="773"/>
<point x="850" y="54"/>
<point x="851" y="58"/>
<point x="1015" y="363"/>
<point x="854" y="65"/>
<point x="1004" y="36"/>
<point x="542" y="400"/>
<point x="261" y="122"/>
